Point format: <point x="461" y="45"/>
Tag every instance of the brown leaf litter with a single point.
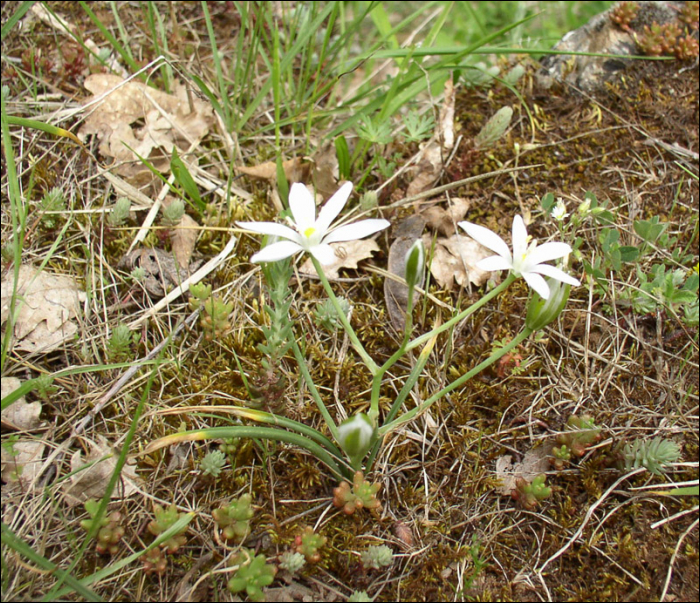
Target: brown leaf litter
<point x="170" y="120"/>
<point x="47" y="305"/>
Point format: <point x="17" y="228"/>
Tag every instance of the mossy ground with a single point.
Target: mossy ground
<point x="633" y="374"/>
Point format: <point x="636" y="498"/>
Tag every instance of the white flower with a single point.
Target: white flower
<point x="526" y="261"/>
<point x="310" y="233"/>
<point x="559" y="210"/>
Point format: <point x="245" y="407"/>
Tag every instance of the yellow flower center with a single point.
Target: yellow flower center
<point x="309" y="231"/>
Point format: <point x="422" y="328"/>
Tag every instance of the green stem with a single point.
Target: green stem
<point x="462" y="315"/>
<point x="377" y="379"/>
<point x="497" y="355"/>
<point x="314" y="392"/>
<point x="359" y="348"/>
<point x="403" y="394"/>
<point x="338" y="466"/>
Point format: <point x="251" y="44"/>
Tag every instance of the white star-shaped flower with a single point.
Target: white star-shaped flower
<point x="526" y="260"/>
<point x="310" y="233"/>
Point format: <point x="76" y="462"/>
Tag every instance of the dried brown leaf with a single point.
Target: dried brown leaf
<point x="47" y="305"/>
<point x="455" y="259"/>
<point x="535" y="462"/>
<point x="162" y="270"/>
<point x="444" y="220"/>
<point x="295" y="170"/>
<point x="347" y="254"/>
<point x="92" y="482"/>
<point x="325" y="172"/>
<point x="395" y="293"/>
<point x="21" y="464"/>
<point x="20" y="416"/>
<point x="183" y="238"/>
<point x="170" y="120"/>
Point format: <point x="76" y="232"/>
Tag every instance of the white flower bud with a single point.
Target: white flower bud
<point x="415" y="263"/>
<point x="355" y="436"/>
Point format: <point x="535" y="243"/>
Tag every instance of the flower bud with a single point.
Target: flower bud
<point x="355" y="436"/>
<point x="542" y="311"/>
<point x="415" y="263"/>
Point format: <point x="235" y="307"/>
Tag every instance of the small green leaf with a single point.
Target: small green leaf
<point x="185" y="180"/>
<point x="343" y="154"/>
<point x="547" y="202"/>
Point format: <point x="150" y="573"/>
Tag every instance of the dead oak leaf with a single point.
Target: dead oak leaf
<point x="170" y="120"/>
<point x="183" y="238"/>
<point x="347" y="255"/>
<point x="295" y="170"/>
<point x="444" y="220"/>
<point x="21" y="463"/>
<point x="395" y="293"/>
<point x="92" y="473"/>
<point x="162" y="272"/>
<point x="21" y="415"/>
<point x="534" y="463"/>
<point x="454" y="260"/>
<point x="46" y="305"/>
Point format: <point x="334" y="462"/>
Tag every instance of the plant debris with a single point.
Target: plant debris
<point x="48" y="304"/>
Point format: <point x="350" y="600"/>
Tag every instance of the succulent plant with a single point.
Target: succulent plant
<point x="360" y="494"/>
<point x="326" y="316"/>
<point x="252" y="575"/>
<point x="624" y="13"/>
<point x="584" y="433"/>
<point x="234" y="519"/>
<point x="154" y="562"/>
<point x="377" y="557"/>
<point x="119" y="213"/>
<point x="165" y="518"/>
<point x="528" y="494"/>
<point x="110" y="533"/>
<point x="213" y="463"/>
<point x="655" y="454"/>
<point x="309" y="543"/>
<point x="292" y="562"/>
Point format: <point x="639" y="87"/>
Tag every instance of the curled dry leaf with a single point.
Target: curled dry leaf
<point x="20" y="416"/>
<point x="170" y="120"/>
<point x="347" y="254"/>
<point x="535" y="462"/>
<point x="295" y="170"/>
<point x="445" y="220"/>
<point x="395" y="293"/>
<point x="183" y="238"/>
<point x="92" y="482"/>
<point x="47" y="305"/>
<point x="437" y="148"/>
<point x="21" y="464"/>
<point x="455" y="259"/>
<point x="162" y="271"/>
<point x="325" y="171"/>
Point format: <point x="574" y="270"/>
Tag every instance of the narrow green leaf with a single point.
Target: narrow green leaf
<point x="185" y="180"/>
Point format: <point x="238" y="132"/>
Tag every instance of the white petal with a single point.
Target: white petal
<point x="272" y="228"/>
<point x="303" y="206"/>
<point x="276" y="251"/>
<point x="519" y="238"/>
<point x="332" y="208"/>
<point x="557" y="274"/>
<point x="358" y="230"/>
<point x="495" y="262"/>
<point x="546" y="252"/>
<point x="487" y="238"/>
<point x="536" y="282"/>
<point x="323" y="253"/>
